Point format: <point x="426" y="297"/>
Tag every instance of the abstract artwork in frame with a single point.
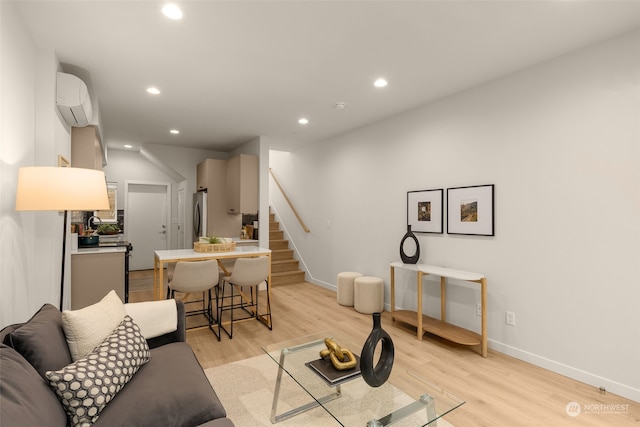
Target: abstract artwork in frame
<point x="470" y="210"/>
<point x="425" y="211"/>
<point x="62" y="162"/>
<point x="111" y="215"/>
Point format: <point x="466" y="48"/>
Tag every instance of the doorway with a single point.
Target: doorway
<point x="182" y="191"/>
<point x="146" y="213"/>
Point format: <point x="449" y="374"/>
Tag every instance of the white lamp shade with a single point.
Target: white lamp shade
<point x="42" y="188"/>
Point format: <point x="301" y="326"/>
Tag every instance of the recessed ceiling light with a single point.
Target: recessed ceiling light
<point x="153" y="91"/>
<point x="128" y="146"/>
<point x="174" y="131"/>
<point x="303" y="121"/>
<point x="172" y="11"/>
<point x="380" y="82"/>
<point x="340" y="105"/>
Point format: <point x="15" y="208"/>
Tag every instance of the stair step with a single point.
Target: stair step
<point x="284" y="265"/>
<point x="276" y="234"/>
<point x="281" y="254"/>
<point x="278" y="244"/>
<point x="288" y="277"/>
<point x="284" y="268"/>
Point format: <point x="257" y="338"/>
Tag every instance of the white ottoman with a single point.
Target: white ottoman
<point x="368" y="294"/>
<point x="345" y="287"/>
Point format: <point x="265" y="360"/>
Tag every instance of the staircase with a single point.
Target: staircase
<point x="284" y="268"/>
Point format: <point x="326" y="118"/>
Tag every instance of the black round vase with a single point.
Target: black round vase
<point x="377" y="375"/>
<point x="413" y="259"/>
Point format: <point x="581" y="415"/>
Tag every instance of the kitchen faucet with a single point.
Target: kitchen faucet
<point x="89" y="221"/>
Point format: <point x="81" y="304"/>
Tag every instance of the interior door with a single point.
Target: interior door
<point x="146" y="225"/>
<point x="182" y="189"/>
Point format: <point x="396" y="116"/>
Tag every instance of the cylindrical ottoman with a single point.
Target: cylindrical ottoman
<point x="368" y="294"/>
<point x="345" y="287"/>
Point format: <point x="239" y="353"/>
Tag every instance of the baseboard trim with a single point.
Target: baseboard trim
<point x="322" y="284"/>
<point x="596" y="381"/>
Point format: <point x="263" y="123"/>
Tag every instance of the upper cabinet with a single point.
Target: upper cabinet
<point x="242" y="184"/>
<point x="86" y="150"/>
<point x="212" y="177"/>
<point x="203" y="172"/>
<point x="234" y="181"/>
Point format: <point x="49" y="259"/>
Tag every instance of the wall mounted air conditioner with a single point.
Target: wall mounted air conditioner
<point x="72" y="100"/>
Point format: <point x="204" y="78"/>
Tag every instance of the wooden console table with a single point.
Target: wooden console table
<point x="440" y="327"/>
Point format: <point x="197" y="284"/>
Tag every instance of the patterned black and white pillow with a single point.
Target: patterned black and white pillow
<point x="88" y="384"/>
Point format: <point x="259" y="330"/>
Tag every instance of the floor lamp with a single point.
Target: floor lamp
<point x="42" y="188"/>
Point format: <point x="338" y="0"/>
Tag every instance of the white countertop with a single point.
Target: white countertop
<point x="99" y="250"/>
<point x="162" y="255"/>
<point x="245" y="241"/>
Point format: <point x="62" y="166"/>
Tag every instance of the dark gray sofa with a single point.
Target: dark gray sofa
<point x="169" y="390"/>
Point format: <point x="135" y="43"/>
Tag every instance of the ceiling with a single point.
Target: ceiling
<point x="230" y="71"/>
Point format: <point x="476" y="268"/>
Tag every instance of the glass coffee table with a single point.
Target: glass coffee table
<point x="406" y="399"/>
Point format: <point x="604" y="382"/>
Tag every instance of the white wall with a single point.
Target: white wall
<point x="131" y="165"/>
<point x="31" y="134"/>
<point x="185" y="162"/>
<point x="560" y="141"/>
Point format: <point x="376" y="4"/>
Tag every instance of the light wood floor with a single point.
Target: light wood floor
<point x="499" y="390"/>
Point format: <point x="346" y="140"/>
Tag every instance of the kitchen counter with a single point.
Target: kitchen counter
<point x="95" y="270"/>
<point x="108" y="243"/>
<point x="99" y="250"/>
<point x="245" y="242"/>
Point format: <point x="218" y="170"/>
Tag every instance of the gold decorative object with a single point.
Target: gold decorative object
<point x="341" y="358"/>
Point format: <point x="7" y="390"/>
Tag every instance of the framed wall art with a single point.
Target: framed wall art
<point x="470" y="210"/>
<point x="425" y="211"/>
<point x="62" y="162"/>
<point x="111" y="215"/>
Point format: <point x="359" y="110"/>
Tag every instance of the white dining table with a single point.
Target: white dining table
<point x="162" y="257"/>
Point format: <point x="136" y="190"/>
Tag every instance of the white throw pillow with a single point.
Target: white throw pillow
<point x="86" y="328"/>
<point x="154" y="318"/>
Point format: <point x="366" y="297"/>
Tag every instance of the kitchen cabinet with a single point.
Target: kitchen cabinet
<point x="211" y="176"/>
<point x="86" y="150"/>
<point x="95" y="272"/>
<point x="242" y="184"/>
<point x="203" y="171"/>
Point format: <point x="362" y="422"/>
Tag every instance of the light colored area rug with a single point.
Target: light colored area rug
<point x="246" y="391"/>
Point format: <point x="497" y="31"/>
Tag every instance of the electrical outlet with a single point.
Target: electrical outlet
<point x="478" y="309"/>
<point x="510" y="318"/>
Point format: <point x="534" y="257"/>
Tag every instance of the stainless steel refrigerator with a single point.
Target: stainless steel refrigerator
<point x="199" y="215"/>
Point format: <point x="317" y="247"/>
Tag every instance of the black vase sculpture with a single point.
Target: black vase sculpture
<point x="413" y="259"/>
<point x="376" y="376"/>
